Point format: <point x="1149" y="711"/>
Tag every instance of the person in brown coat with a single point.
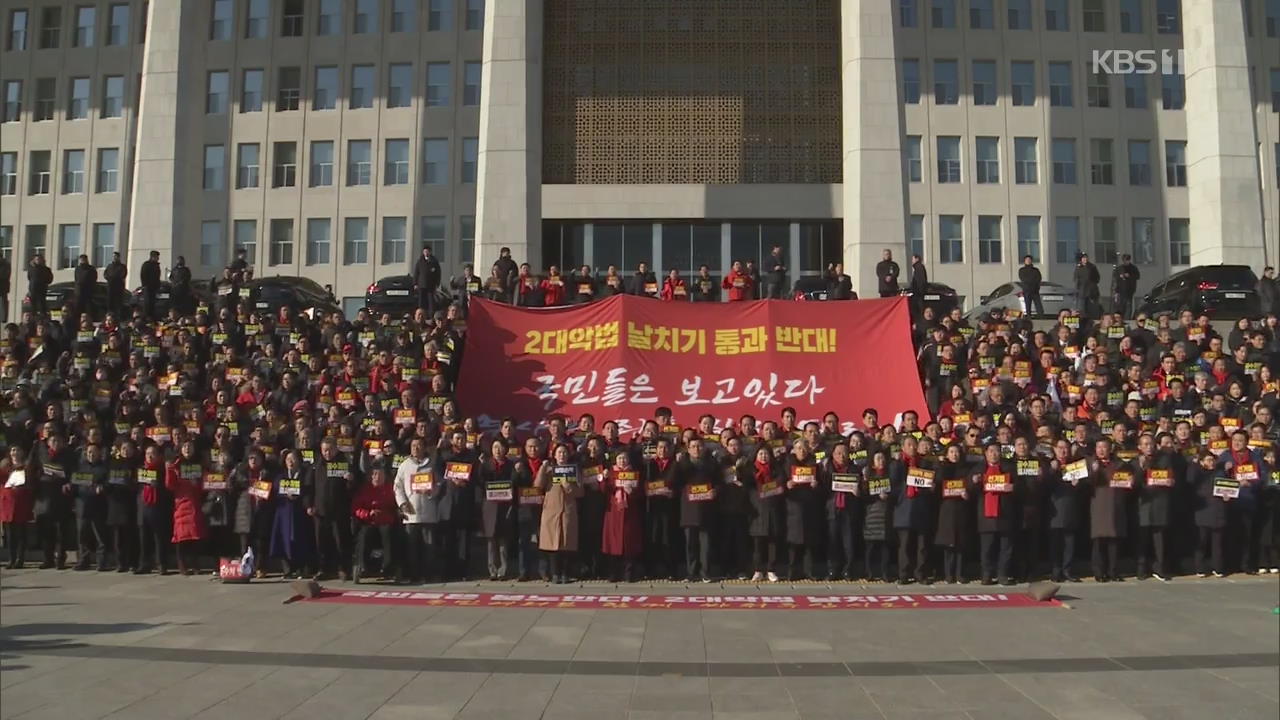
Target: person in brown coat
<point x="1111" y="483"/>
<point x="558" y="533"/>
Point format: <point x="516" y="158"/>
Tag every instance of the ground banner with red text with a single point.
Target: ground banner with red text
<point x="622" y="358"/>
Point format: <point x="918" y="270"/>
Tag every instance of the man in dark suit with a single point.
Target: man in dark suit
<point x="1030" y="279"/>
<point x="86" y="279"/>
<point x="426" y="279"/>
<point x="150" y="284"/>
<point x="887" y="275"/>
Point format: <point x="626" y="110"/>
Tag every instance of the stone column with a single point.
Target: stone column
<point x="874" y="195"/>
<point x="509" y="186"/>
<point x="1223" y="181"/>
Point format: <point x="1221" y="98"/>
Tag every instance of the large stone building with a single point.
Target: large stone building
<point x="332" y="138"/>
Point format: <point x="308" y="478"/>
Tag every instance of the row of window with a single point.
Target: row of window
<point x="1026" y="164"/>
<point x="78" y="103"/>
<point x="113" y="26"/>
<point x="358" y="168"/>
<point x="70" y="243"/>
<point x="361" y="89"/>
<point x="74" y="172"/>
<point x="365" y="17"/>
<point x="1059" y="15"/>
<point x="952" y="231"/>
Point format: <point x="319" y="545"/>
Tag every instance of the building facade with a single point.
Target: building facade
<point x="333" y="138"/>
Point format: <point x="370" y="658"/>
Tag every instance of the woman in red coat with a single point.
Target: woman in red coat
<point x="673" y="288"/>
<point x="623" y="537"/>
<point x="15" y="504"/>
<point x="189" y="526"/>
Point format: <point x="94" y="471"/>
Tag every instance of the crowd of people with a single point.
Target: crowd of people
<point x="334" y="447"/>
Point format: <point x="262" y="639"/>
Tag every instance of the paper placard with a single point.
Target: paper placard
<point x="804" y="474"/>
<point x="1159" y="477"/>
<point x="878" y="486"/>
<point x="1246" y="472"/>
<point x="148" y="476"/>
<point x="1077" y="470"/>
<point x="422" y="482"/>
<point x="626" y="479"/>
<point x="458" y="472"/>
<point x="1121" y="480"/>
<point x="1028" y="468"/>
<point x="657" y="488"/>
<point x="1226" y="488"/>
<point x="953" y="488"/>
<point x="215" y="481"/>
<point x="530" y="496"/>
<point x="260" y="489"/>
<point x="844" y="482"/>
<point x="700" y="492"/>
<point x="291" y="487"/>
<point x="498" y="491"/>
<point x="562" y="474"/>
<point x="920" y="478"/>
<point x="999" y="483"/>
<point x="771" y="488"/>
<point x="593" y="474"/>
<point x="83" y="479"/>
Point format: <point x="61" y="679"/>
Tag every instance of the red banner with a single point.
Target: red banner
<point x="622" y="358"/>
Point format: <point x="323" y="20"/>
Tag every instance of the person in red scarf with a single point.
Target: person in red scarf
<point x="156" y="516"/>
<point x="673" y="287"/>
<point x="661" y="517"/>
<point x="738" y="283"/>
<point x="913" y="510"/>
<point x="1245" y="466"/>
<point x="529" y="511"/>
<point x="374" y="507"/>
<point x="496" y="479"/>
<point x="553" y="292"/>
<point x="998" y="516"/>
<point x="623" y="535"/>
<point x="840" y="479"/>
<point x="766" y="486"/>
<point x="1111" y="483"/>
<point x="188" y="519"/>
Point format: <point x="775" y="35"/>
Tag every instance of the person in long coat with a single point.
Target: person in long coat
<point x="913" y="511"/>
<point x="806" y="521"/>
<point x="698" y="479"/>
<point x="844" y="508"/>
<point x="219" y="498"/>
<point x="735" y="509"/>
<point x="766" y="487"/>
<point x="122" y="505"/>
<point x="333" y="481"/>
<point x="1210" y="515"/>
<point x="998" y="516"/>
<point x="561" y="484"/>
<point x="251" y="486"/>
<point x="529" y="511"/>
<point x="188" y="518"/>
<point x="1111" y="482"/>
<point x="90" y="487"/>
<point x="52" y="490"/>
<point x="876" y="490"/>
<point x="1157" y="476"/>
<point x="498" y="511"/>
<point x="591" y="508"/>
<point x="16" y="503"/>
<point x="954" y="513"/>
<point x="623" y="535"/>
<point x="1064" y="508"/>
<point x="292" y="535"/>
<point x="1032" y="472"/>
<point x="155" y="513"/>
<point x="661" y="517"/>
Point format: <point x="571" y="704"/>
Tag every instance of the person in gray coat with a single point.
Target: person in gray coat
<point x="420" y="489"/>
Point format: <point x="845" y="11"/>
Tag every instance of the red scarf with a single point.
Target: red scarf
<point x="840" y="496"/>
<point x="662" y="463"/>
<point x="910" y="461"/>
<point x="535" y="464"/>
<point x="991" y="501"/>
<point x="149" y="494"/>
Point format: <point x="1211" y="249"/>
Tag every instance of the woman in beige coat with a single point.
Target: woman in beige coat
<point x="561" y="484"/>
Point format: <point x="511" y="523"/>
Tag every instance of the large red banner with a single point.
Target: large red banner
<point x="622" y="358"/>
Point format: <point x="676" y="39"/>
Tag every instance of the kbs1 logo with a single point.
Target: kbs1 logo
<point x="1137" y="62"/>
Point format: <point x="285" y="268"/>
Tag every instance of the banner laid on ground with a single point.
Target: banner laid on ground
<point x="622" y="358"/>
<point x="742" y="601"/>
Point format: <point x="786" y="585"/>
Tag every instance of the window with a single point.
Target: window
<point x="1099" y="90"/>
<point x="247" y="165"/>
<point x="911" y="158"/>
<point x="108" y="170"/>
<point x="951" y="238"/>
<point x="1095" y="16"/>
<point x="1029" y="237"/>
<point x="251" y="91"/>
<point x="987" y="153"/>
<point x="1139" y="162"/>
<point x="290" y="89"/>
<point x="1022" y="74"/>
<point x="329" y="18"/>
<point x="291" y="18"/>
<point x="471" y="83"/>
<point x="211" y="243"/>
<point x="440" y="15"/>
<point x="1025" y="170"/>
<point x="1144" y="242"/>
<point x="475" y="14"/>
<point x="470" y="159"/>
<point x="6" y="242"/>
<point x="214" y="166"/>
<point x="399" y="85"/>
<point x="438" y="84"/>
<point x="908" y="14"/>
<point x="244" y="235"/>
<point x="1275" y="89"/>
<point x="943" y="13"/>
<point x="68" y="246"/>
<point x="112" y="96"/>
<point x="318" y="230"/>
<point x="366" y="19"/>
<point x="1273" y="18"/>
<point x="46" y="98"/>
<point x="359" y="162"/>
<point x="1060" y="84"/>
<point x="321" y="171"/>
<point x="989" y="243"/>
<point x="362" y="84"/>
<point x="118" y="27"/>
<point x="1064" y="161"/>
<point x="35" y="240"/>
<point x="395" y="240"/>
<point x="325" y="94"/>
<point x="12" y="101"/>
<point x="433" y="233"/>
<point x="78" y="99"/>
<point x="72" y="172"/>
<point x="220" y="19"/>
<point x="104" y="243"/>
<point x="1135" y="91"/>
<point x="1019" y="14"/>
<point x="1175" y="163"/>
<point x="1173" y="92"/>
<point x="948" y="159"/>
<point x="946" y="82"/>
<point x="397" y="163"/>
<point x="1130" y="16"/>
<point x="9" y="173"/>
<point x="39" y="175"/>
<point x="982" y="14"/>
<point x="355" y="241"/>
<point x="402" y="16"/>
<point x="1104" y="241"/>
<point x="1179" y="241"/>
<point x="281" y="242"/>
<point x="1101" y="162"/>
<point x="984" y="82"/>
<point x="467" y="237"/>
<point x="915" y="235"/>
<point x="1056" y="15"/>
<point x="215" y="102"/>
<point x="17" y="38"/>
<point x="910" y="81"/>
<point x="257" y="18"/>
<point x="284" y="170"/>
<point x="1066" y="239"/>
<point x="50" y="27"/>
<point x="435" y="161"/>
<point x="1168" y="17"/>
<point x="86" y="20"/>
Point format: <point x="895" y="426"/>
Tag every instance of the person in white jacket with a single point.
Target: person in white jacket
<point x="419" y="489"/>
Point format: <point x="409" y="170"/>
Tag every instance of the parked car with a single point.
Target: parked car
<point x="1009" y="296"/>
<point x="942" y="298"/>
<point x="1217" y="290"/>
<point x="164" y="296"/>
<point x="810" y="288"/>
<point x="394" y="294"/>
<point x="58" y="294"/>
<point x="303" y="295"/>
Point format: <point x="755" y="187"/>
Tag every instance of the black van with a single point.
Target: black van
<point x="1217" y="290"/>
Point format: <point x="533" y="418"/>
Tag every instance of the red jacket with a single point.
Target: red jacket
<point x="553" y="291"/>
<point x="738" y="285"/>
<point x="16" y="502"/>
<point x="674" y="290"/>
<point x="381" y="499"/>
<point x="188" y="517"/>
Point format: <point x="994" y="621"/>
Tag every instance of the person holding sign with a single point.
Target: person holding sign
<point x="561" y="484"/>
<point x="661" y="519"/>
<point x="122" y="504"/>
<point x="877" y="489"/>
<point x="1157" y="472"/>
<point x="1065" y="476"/>
<point x="333" y="480"/>
<point x="418" y="494"/>
<point x="591" y="507"/>
<point x="841" y="478"/>
<point x="999" y="516"/>
<point x="15" y="503"/>
<point x="806" y="521"/>
<point x="673" y="287"/>
<point x="953" y="513"/>
<point x="735" y="507"/>
<point x="698" y="479"/>
<point x="1111" y="484"/>
<point x="1210" y="515"/>
<point x="252" y="486"/>
<point x="765" y="487"/>
<point x="913" y="510"/>
<point x="292" y="533"/>
<point x="529" y="514"/>
<point x="496" y="478"/>
<point x="1245" y="466"/>
<point x="53" y="490"/>
<point x="89" y="482"/>
<point x="189" y="527"/>
<point x="458" y="507"/>
<point x="155" y="513"/>
<point x="623" y="535"/>
<point x="374" y="508"/>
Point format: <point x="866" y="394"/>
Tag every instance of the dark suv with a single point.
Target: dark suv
<point x="269" y="294"/>
<point x="1217" y="290"/>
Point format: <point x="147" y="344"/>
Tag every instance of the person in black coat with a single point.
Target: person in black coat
<point x="426" y="279"/>
<point x="698" y="477"/>
<point x="498" y="513"/>
<point x="53" y="493"/>
<point x="765" y="486"/>
<point x="840" y="285"/>
<point x="39" y="276"/>
<point x="998" y="517"/>
<point x="122" y="504"/>
<point x="775" y="274"/>
<point x="842" y="482"/>
<point x="806" y="521"/>
<point x="643" y="282"/>
<point x="1210" y="515"/>
<point x="150" y="278"/>
<point x="1031" y="471"/>
<point x="117" y="275"/>
<point x="952" y="485"/>
<point x="1030" y="279"/>
<point x="877" y="488"/>
<point x="661" y="518"/>
<point x="333" y="482"/>
<point x="1086" y="280"/>
<point x="89" y="482"/>
<point x="458" y="508"/>
<point x="913" y="510"/>
<point x="1064" y="513"/>
<point x="86" y="279"/>
<point x="735" y="509"/>
<point x="6" y="270"/>
<point x="887" y="272"/>
<point x="180" y="287"/>
<point x="154" y="513"/>
<point x="1157" y="477"/>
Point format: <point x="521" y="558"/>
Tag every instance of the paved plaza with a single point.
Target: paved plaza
<point x="88" y="645"/>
